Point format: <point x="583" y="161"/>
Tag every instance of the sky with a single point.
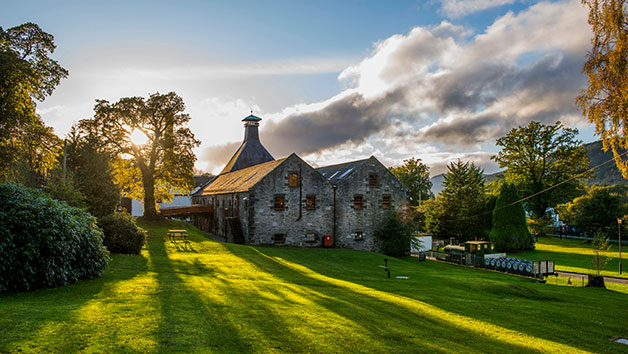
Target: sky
<point x="333" y="81"/>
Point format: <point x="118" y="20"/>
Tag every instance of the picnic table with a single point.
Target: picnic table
<point x="181" y="235"/>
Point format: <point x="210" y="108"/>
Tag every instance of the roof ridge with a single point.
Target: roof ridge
<point x="343" y="163"/>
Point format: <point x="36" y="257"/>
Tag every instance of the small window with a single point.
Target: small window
<point x="373" y="180"/>
<point x="386" y="202"/>
<point x="358" y="236"/>
<point x="310" y="237"/>
<point x="310" y="202"/>
<point x="280" y="202"/>
<point x="293" y="180"/>
<point x="357" y="202"/>
<point x="279" y="238"/>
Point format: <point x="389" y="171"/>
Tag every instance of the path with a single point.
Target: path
<point x="606" y="279"/>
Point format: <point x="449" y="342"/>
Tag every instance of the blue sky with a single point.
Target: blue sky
<point x="333" y="80"/>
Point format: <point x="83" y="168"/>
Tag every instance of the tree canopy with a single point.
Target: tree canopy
<point x="539" y="156"/>
<point x="415" y="175"/>
<point x="596" y="211"/>
<point x="27" y="75"/>
<point x="605" y="101"/>
<point x="152" y="171"/>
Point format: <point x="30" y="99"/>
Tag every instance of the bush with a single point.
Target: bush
<point x="122" y="235"/>
<point x="44" y="242"/>
<point x="395" y="237"/>
<point x="510" y="232"/>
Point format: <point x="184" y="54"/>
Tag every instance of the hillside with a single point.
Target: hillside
<point x="604" y="175"/>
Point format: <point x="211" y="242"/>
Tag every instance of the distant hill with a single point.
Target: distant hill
<point x="605" y="175"/>
<point x="437" y="181"/>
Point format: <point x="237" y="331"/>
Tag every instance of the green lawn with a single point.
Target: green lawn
<point x="573" y="255"/>
<point x="231" y="298"/>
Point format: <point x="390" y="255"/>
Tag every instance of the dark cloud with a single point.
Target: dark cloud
<point x="554" y="77"/>
<point x="350" y="119"/>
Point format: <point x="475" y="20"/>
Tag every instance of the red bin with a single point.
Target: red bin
<point x="327" y="241"/>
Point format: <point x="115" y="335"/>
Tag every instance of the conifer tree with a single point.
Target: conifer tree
<point x="510" y="232"/>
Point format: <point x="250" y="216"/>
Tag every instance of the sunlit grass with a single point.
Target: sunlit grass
<point x="216" y="297"/>
<point x="572" y="255"/>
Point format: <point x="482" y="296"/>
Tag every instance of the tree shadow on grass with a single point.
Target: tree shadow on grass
<point x="359" y="319"/>
<point x="45" y="319"/>
<point x="187" y="321"/>
<point x="395" y="323"/>
<point x="543" y="311"/>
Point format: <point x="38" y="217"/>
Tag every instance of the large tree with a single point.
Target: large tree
<point x="27" y="75"/>
<point x="462" y="201"/>
<point x="605" y="101"/>
<point x="540" y="156"/>
<point x="415" y="175"/>
<point x="154" y="169"/>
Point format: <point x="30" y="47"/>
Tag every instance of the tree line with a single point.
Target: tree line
<point x="545" y="169"/>
<point x="98" y="160"/>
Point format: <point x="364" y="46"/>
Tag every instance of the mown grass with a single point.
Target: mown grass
<point x="221" y="298"/>
<point x="573" y="255"/>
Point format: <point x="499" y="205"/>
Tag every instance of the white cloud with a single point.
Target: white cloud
<point x="461" y="8"/>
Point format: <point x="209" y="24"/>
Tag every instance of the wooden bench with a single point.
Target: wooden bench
<point x="181" y="235"/>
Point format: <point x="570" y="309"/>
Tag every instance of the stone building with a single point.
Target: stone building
<point x="258" y="200"/>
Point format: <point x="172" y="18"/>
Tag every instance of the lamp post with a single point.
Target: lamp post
<point x="619" y="220"/>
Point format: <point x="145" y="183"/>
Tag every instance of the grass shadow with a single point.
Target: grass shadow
<point x="187" y="322"/>
<point x="502" y="312"/>
<point x="395" y="328"/>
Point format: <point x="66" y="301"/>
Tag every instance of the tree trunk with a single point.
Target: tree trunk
<point x="150" y="212"/>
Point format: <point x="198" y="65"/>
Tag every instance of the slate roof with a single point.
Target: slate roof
<point x="335" y="173"/>
<point x="241" y="180"/>
<point x="200" y="180"/>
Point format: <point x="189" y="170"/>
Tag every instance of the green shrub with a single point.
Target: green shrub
<point x="122" y="235"/>
<point x="395" y="236"/>
<point x="44" y="242"/>
<point x="510" y="232"/>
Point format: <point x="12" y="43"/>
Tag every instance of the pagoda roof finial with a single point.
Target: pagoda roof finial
<point x="251" y="118"/>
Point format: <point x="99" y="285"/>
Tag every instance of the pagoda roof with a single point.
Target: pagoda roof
<point x="251" y="118"/>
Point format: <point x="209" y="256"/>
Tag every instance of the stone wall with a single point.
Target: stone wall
<point x="225" y="206"/>
<point x="295" y="221"/>
<point x="367" y="219"/>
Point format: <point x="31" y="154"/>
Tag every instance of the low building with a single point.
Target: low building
<point x="258" y="200"/>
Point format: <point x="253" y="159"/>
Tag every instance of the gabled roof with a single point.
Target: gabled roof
<point x="240" y="180"/>
<point x="335" y="173"/>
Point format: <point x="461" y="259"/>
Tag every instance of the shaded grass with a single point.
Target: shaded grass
<point x="220" y="298"/>
<point x="572" y="255"/>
